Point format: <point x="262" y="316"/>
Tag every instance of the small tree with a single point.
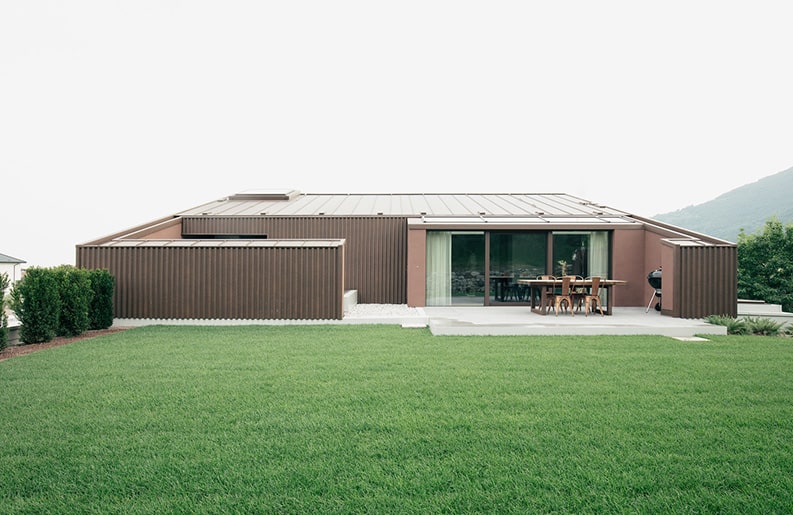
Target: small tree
<point x="37" y="305"/>
<point x="3" y="317"/>
<point x="765" y="264"/>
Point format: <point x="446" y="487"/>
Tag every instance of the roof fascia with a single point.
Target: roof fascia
<point x="136" y="230"/>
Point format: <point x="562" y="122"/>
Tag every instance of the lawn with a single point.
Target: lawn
<point x="378" y="419"/>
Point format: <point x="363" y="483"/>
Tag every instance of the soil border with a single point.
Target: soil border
<point x="12" y="351"/>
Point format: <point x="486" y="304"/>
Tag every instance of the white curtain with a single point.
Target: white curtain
<point x="439" y="268"/>
<point x="599" y="254"/>
<point x="599" y="258"/>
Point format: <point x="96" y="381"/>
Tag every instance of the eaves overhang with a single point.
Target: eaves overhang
<point x="583" y="223"/>
<point x="231" y="243"/>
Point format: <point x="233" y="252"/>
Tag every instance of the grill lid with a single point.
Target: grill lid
<point x="654" y="278"/>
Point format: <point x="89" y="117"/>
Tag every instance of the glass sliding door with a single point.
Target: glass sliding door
<point x="460" y="271"/>
<point x="468" y="268"/>
<point x="584" y="253"/>
<point x="439" y="268"/>
<point x="455" y="268"/>
<point x="515" y="255"/>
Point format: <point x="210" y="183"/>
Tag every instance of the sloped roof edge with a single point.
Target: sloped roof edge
<point x="4" y="258"/>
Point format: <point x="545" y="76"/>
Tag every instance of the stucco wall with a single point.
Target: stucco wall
<point x="629" y="263"/>
<point x="14" y="271"/>
<point x="417" y="273"/>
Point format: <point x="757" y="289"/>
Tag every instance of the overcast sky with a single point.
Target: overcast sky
<point x="117" y="113"/>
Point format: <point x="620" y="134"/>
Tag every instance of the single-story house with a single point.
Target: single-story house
<point x="292" y="255"/>
<point x="11" y="266"/>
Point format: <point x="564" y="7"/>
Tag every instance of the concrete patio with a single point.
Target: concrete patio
<point x="508" y="320"/>
<point x="481" y="320"/>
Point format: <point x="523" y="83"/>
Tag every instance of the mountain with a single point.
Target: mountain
<point x="747" y="208"/>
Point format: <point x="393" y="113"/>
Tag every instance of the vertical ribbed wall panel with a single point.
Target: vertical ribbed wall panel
<point x="708" y="282"/>
<point x="222" y="282"/>
<point x="375" y="250"/>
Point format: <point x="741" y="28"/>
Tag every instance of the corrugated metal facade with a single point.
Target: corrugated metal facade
<point x="298" y="281"/>
<point x="291" y="255"/>
<point x="706" y="281"/>
<point x="375" y="249"/>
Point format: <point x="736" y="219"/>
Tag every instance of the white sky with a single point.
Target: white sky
<point x="114" y="113"/>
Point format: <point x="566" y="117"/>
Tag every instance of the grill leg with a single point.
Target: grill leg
<point x="650" y="303"/>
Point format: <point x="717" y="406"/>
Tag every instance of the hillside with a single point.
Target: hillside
<point x="747" y="208"/>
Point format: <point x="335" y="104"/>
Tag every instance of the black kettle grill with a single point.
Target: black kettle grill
<point x="654" y="278"/>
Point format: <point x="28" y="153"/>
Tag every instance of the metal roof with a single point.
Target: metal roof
<point x="8" y="259"/>
<point x="527" y="205"/>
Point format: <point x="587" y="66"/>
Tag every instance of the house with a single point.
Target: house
<point x="11" y="266"/>
<point x="291" y="255"/>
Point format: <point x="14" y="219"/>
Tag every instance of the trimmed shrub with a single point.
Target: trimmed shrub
<point x="101" y="309"/>
<point x="733" y="325"/>
<point x="74" y="289"/>
<point x="3" y="317"/>
<point x="763" y="326"/>
<point x="36" y="302"/>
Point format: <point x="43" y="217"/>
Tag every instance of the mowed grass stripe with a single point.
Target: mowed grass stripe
<point x="345" y="419"/>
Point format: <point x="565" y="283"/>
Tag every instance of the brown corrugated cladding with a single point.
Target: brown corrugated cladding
<point x="375" y="248"/>
<point x="706" y="281"/>
<point x="224" y="282"/>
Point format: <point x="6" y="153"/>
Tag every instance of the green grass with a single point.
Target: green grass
<point x="343" y="419"/>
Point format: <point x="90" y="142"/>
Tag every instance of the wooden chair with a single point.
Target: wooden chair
<point x="564" y="295"/>
<point x="547" y="294"/>
<point x="593" y="297"/>
<point x="577" y="291"/>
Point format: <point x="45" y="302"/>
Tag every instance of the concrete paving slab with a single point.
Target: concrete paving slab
<point x="520" y="320"/>
<point x="489" y="320"/>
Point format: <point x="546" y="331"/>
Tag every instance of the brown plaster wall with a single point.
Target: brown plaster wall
<point x="628" y="263"/>
<point x="417" y="263"/>
<point x="172" y="231"/>
<point x="653" y="259"/>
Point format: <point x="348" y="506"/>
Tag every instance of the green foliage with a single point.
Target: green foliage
<point x="733" y="325"/>
<point x="36" y="302"/>
<point x="3" y="317"/>
<point x="763" y="326"/>
<point x="765" y="264"/>
<point x="74" y="289"/>
<point x="62" y="301"/>
<point x="749" y="325"/>
<point x="101" y="309"/>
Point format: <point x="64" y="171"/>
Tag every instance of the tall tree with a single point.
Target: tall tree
<point x="765" y="264"/>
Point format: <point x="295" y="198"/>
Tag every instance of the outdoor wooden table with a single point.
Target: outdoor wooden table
<point x="544" y="285"/>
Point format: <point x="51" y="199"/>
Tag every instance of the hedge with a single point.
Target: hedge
<point x="62" y="301"/>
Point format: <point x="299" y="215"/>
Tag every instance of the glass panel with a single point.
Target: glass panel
<point x="468" y="268"/>
<point x="455" y="268"/>
<point x="515" y="255"/>
<point x="583" y="253"/>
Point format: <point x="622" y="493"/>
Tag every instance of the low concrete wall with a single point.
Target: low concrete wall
<point x="350" y="300"/>
<point x="759" y="309"/>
